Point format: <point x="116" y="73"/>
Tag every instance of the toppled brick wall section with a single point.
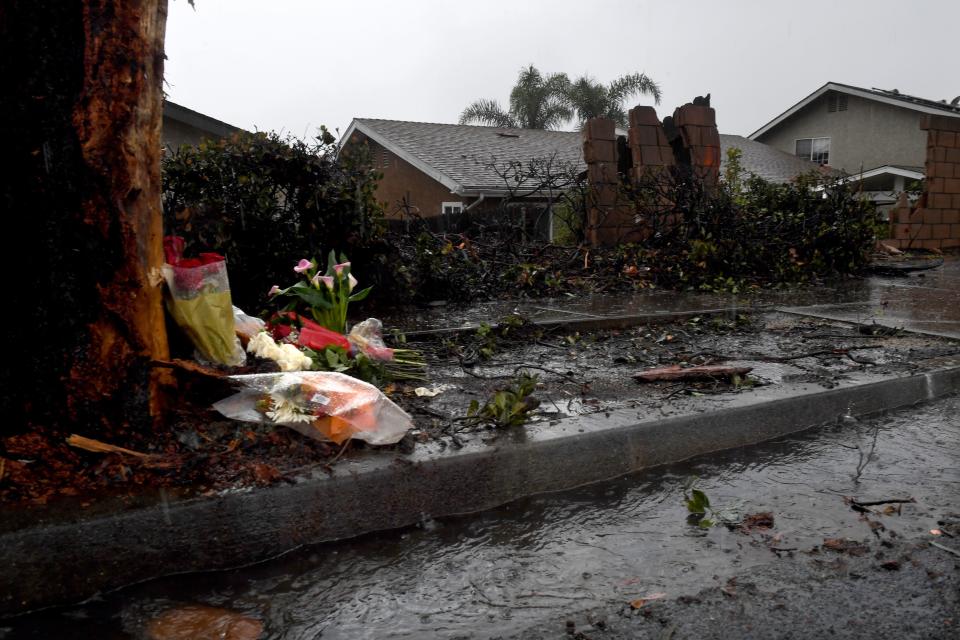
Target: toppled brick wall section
<point x="934" y="223"/>
<point x="687" y="139"/>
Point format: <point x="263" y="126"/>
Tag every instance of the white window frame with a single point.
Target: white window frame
<point x="456" y="207"/>
<point x="811" y="139"/>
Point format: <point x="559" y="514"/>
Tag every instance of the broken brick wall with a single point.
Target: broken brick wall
<point x="689" y="139"/>
<point x="934" y="223"/>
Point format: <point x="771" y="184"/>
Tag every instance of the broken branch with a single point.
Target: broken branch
<point x="702" y="372"/>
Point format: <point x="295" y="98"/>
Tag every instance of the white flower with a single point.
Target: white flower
<point x="285" y="410"/>
<point x="287" y="356"/>
<point x="259" y="343"/>
<point x="292" y="359"/>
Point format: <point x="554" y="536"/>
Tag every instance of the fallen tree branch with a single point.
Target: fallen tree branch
<point x="945" y="548"/>
<point x="702" y="372"/>
<point x="563" y="375"/>
<point x="873" y="503"/>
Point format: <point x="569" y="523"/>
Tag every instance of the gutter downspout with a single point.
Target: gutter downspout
<point x="475" y="202"/>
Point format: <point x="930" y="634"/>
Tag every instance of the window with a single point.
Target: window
<point x="386" y="158"/>
<point x="814" y="149"/>
<point x="450" y="208"/>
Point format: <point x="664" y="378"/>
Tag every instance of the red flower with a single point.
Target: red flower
<point x="173" y="249"/>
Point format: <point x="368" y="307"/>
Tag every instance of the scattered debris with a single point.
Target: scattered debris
<point x="702" y="372"/>
<point x="863" y="506"/>
<point x="755" y="521"/>
<point x="945" y="548"/>
<point x="96" y="446"/>
<point x="432" y="392"/>
<point x="845" y="545"/>
<point x="650" y="597"/>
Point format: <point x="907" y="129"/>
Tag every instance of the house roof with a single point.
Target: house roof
<point x="765" y="161"/>
<point x="458" y="156"/>
<point x="886" y="96"/>
<point x="195" y="119"/>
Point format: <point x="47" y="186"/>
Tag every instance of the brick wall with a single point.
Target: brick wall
<point x="689" y="138"/>
<point x="934" y="223"/>
<point x="402" y="182"/>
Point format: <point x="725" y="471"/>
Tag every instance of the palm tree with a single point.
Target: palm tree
<point x="589" y="98"/>
<point x="536" y="102"/>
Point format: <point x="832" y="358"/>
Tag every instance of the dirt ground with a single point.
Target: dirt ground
<point x="578" y="373"/>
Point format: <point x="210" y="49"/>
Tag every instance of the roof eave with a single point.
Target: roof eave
<point x="890" y="169"/>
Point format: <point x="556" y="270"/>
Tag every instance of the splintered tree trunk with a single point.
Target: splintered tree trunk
<point x="84" y="117"/>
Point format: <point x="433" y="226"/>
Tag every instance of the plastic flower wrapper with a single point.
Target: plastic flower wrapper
<point x="400" y="364"/>
<point x="318" y="404"/>
<point x="199" y="301"/>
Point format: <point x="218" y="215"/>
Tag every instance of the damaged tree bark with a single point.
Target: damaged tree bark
<point x="84" y="113"/>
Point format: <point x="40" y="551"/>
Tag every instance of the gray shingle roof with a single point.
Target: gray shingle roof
<point x="463" y="153"/>
<point x="765" y="161"/>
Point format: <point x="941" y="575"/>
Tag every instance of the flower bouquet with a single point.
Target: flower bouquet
<point x="199" y="302"/>
<point x="319" y="404"/>
<point x="313" y="316"/>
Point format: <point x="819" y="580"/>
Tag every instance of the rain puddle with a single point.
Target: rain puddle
<point x="499" y="572"/>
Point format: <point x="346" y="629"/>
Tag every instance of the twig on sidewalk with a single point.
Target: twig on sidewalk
<point x="945" y="548"/>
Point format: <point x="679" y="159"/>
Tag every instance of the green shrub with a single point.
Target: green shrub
<point x="264" y="201"/>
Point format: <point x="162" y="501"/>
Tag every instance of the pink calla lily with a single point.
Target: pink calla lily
<point x="274" y="290"/>
<point x="327" y="280"/>
<point x="339" y="267"/>
<point x="303" y="265"/>
<point x="352" y="281"/>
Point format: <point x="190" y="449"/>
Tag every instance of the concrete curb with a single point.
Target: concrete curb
<point x="598" y="323"/>
<point x="59" y="563"/>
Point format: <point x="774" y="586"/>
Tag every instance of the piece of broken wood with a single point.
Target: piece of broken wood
<point x="189" y="367"/>
<point x="702" y="372"/>
<point x="147" y="459"/>
<point x="96" y="446"/>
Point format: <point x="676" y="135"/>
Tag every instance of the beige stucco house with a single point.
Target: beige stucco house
<point x="872" y="135"/>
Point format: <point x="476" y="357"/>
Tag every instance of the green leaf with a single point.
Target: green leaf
<point x="706" y="523"/>
<point x="311" y="296"/>
<point x="474" y="408"/>
<point x="360" y="295"/>
<point x="701" y="497"/>
<point x="332" y="359"/>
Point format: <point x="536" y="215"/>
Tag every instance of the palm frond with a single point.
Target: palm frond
<point x="634" y="83"/>
<point x="488" y="112"/>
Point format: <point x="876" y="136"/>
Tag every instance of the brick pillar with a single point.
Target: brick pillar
<point x="698" y="127"/>
<point x="935" y="222"/>
<point x="600" y="154"/>
<point x="652" y="157"/>
<point x="648" y="143"/>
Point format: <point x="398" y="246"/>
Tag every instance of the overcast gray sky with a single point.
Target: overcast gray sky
<point x="292" y="65"/>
